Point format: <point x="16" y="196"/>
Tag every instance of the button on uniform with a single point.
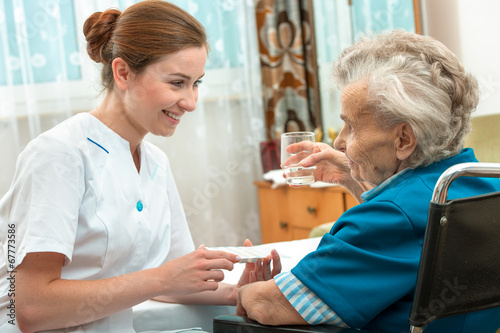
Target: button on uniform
<point x="139" y="206"/>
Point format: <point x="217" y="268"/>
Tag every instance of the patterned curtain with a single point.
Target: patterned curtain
<point x="288" y="66"/>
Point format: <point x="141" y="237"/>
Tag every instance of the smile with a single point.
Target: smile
<point x="171" y="115"/>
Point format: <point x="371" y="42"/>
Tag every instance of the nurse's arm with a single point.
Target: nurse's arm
<point x="264" y="302"/>
<point x="45" y="301"/>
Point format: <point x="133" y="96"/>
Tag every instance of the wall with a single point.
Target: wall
<point x="470" y="29"/>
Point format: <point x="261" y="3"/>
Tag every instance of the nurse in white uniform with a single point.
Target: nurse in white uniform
<point x="93" y="223"/>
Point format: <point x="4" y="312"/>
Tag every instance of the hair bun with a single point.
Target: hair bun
<point x="98" y="29"/>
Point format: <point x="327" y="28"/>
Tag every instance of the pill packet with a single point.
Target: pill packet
<point x="247" y="253"/>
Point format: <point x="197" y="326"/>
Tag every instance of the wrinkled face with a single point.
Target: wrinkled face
<point x="159" y="96"/>
<point x="370" y="149"/>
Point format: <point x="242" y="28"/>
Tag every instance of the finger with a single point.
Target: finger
<point x="209" y="285"/>
<point x="214" y="275"/>
<point x="212" y="254"/>
<point x="266" y="270"/>
<point x="312" y="159"/>
<point x="296" y="159"/>
<point x="252" y="277"/>
<point x="249" y="266"/>
<point x="219" y="264"/>
<point x="299" y="146"/>
<point x="258" y="270"/>
<point x="276" y="262"/>
<point x="240" y="310"/>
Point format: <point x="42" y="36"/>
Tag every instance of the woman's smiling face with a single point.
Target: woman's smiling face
<point x="159" y="96"/>
<point x="370" y="148"/>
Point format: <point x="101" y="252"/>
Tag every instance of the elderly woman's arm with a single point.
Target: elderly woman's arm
<point x="332" y="167"/>
<point x="264" y="302"/>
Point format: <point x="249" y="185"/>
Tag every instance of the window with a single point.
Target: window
<point x="39" y="43"/>
<point x="42" y="49"/>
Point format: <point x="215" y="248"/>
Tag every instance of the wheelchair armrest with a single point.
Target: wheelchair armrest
<point x="233" y="323"/>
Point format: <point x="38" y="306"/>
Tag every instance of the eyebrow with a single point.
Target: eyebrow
<point x="187" y="77"/>
<point x="344" y="117"/>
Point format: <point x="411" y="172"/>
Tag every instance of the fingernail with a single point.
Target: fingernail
<point x="274" y="252"/>
<point x="238" y="258"/>
<point x="259" y="262"/>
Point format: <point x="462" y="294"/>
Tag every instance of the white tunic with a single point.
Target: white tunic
<point x="77" y="191"/>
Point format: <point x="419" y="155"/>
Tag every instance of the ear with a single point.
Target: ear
<point x="121" y="73"/>
<point x="405" y="141"/>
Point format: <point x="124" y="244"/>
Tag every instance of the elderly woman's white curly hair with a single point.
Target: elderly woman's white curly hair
<point x="416" y="80"/>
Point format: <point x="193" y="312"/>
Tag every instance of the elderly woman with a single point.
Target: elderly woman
<point x="406" y="103"/>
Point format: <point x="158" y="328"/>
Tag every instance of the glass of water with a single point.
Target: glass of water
<point x="295" y="146"/>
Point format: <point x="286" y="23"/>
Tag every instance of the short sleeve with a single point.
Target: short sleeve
<point x="43" y="202"/>
<point x="368" y="262"/>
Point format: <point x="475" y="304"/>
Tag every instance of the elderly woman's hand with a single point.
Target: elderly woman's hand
<point x="264" y="302"/>
<point x="331" y="166"/>
<point x="260" y="270"/>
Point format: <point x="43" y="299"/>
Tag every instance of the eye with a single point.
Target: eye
<point x="197" y="82"/>
<point x="177" y="84"/>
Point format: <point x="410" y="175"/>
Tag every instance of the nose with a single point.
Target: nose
<point x="339" y="143"/>
<point x="188" y="99"/>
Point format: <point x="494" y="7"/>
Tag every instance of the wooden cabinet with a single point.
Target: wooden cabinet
<point x="288" y="213"/>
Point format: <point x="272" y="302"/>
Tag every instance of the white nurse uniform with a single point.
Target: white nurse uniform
<point x="76" y="191"/>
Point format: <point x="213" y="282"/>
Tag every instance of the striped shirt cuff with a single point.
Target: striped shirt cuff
<point x="307" y="304"/>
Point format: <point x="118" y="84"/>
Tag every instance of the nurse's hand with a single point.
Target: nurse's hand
<point x="198" y="271"/>
<point x="260" y="270"/>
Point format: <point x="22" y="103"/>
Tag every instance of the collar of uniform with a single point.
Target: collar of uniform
<point x="104" y="136"/>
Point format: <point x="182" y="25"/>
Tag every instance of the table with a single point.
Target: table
<point x="154" y="315"/>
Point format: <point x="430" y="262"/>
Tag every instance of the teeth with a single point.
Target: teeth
<point x="171" y="115"/>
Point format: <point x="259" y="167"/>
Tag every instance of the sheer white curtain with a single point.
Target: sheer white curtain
<point x="215" y="151"/>
<point x="41" y="82"/>
<point x="333" y="29"/>
<point x="46" y="77"/>
<point x="340" y="23"/>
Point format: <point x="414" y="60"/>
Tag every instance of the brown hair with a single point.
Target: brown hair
<point x="140" y="35"/>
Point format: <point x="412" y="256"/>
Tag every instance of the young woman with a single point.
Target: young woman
<point x="94" y="210"/>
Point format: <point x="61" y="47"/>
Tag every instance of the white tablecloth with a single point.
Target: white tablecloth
<point x="153" y="315"/>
